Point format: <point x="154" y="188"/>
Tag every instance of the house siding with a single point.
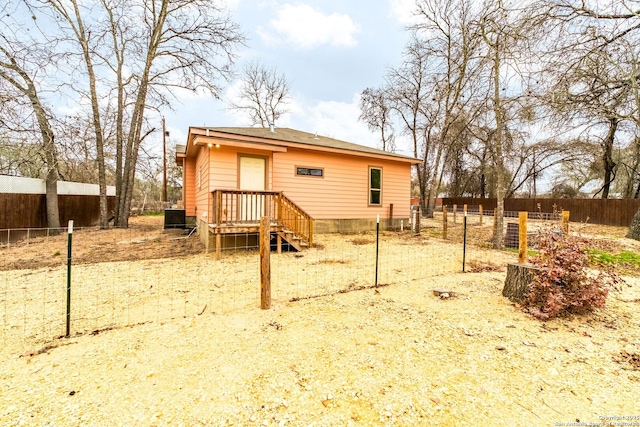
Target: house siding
<point x="189" y="186"/>
<point x="202" y="173"/>
<point x="218" y="171"/>
<point x="224" y="163"/>
<point x="343" y="191"/>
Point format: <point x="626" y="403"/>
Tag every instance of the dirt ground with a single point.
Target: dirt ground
<point x="144" y="239"/>
<point x="397" y="355"/>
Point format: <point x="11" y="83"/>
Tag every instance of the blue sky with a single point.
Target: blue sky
<point x="329" y="50"/>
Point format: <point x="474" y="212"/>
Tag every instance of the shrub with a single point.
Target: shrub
<point x="564" y="283"/>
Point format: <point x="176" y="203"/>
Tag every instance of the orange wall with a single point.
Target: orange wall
<point x="202" y="192"/>
<point x="219" y="171"/>
<point x="189" y="186"/>
<point x="224" y="163"/>
<point x="343" y="191"/>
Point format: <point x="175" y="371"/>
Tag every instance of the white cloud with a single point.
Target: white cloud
<point x="305" y="27"/>
<point x="334" y="119"/>
<point x="230" y="5"/>
<point x="402" y="10"/>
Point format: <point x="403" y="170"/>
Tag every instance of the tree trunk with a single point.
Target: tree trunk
<point x="607" y="157"/>
<point x="83" y="40"/>
<point x="519" y="277"/>
<point x="634" y="228"/>
<point x="53" y="212"/>
<point x="422" y="186"/>
<point x="48" y="145"/>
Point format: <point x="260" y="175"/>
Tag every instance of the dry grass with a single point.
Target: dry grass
<point x="351" y="355"/>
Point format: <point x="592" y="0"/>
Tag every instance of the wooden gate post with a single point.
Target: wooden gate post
<point x="455" y="209"/>
<point x="565" y="222"/>
<point x="522" y="238"/>
<point x="444" y="222"/>
<point x="265" y="263"/>
<point x="480" y="213"/>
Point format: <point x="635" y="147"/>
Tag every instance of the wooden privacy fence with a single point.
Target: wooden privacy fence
<point x="30" y="210"/>
<point x="618" y="212"/>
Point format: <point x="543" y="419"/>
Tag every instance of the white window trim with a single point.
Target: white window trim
<point x="369" y="192"/>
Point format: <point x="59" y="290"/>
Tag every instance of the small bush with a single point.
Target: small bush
<point x="362" y="241"/>
<point x="565" y="284"/>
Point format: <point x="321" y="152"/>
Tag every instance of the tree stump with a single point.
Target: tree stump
<point x="519" y="277"/>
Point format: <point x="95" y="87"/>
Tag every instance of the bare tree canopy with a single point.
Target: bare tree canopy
<point x="123" y="60"/>
<point x="19" y="66"/>
<point x="263" y="95"/>
<point x="375" y="112"/>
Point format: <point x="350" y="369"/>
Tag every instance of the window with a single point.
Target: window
<point x="302" y="171"/>
<point x="375" y="186"/>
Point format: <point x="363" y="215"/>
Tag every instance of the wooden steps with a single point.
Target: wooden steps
<point x="289" y="236"/>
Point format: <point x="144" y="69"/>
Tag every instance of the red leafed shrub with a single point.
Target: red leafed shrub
<point x="565" y="283"/>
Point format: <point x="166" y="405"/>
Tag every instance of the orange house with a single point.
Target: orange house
<point x="305" y="183"/>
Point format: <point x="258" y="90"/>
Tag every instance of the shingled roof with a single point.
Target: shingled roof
<point x="300" y="137"/>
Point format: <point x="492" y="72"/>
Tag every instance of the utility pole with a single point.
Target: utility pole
<point x="164" y="161"/>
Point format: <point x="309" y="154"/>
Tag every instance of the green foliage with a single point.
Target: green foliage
<point x="625" y="258"/>
<point x="565" y="283"/>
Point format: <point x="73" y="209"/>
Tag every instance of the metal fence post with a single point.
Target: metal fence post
<point x="69" y="277"/>
<point x="377" y="240"/>
<point x="464" y="240"/>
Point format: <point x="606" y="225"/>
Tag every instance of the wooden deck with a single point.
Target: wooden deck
<point x="238" y="212"/>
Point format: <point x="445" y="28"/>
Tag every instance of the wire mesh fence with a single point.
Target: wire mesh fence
<point x="130" y="291"/>
<point x="122" y="278"/>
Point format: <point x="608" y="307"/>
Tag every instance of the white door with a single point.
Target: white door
<point x="252" y="173"/>
<point x="252" y="178"/>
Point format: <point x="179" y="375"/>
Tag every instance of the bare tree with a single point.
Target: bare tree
<point x="595" y="72"/>
<point x="509" y="32"/>
<point x="407" y="88"/>
<point x="141" y="53"/>
<point x="19" y="65"/>
<point x="375" y="111"/>
<point x="263" y="94"/>
<point x="453" y="44"/>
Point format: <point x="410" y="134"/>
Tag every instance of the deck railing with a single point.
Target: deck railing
<point x="243" y="208"/>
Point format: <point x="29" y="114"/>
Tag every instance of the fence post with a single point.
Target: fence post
<point x="415" y="220"/>
<point x="455" y="210"/>
<point x="565" y="222"/>
<point x="69" y="278"/>
<point x="444" y="222"/>
<point x="265" y="263"/>
<point x="390" y="226"/>
<point x="480" y="213"/>
<point x="522" y="238"/>
<point x="377" y="244"/>
<point x="464" y="239"/>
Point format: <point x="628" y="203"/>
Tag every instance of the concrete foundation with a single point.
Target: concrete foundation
<point x="341" y="226"/>
<point x="347" y="226"/>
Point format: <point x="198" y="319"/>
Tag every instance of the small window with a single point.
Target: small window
<point x="375" y="186"/>
<point x="301" y="171"/>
